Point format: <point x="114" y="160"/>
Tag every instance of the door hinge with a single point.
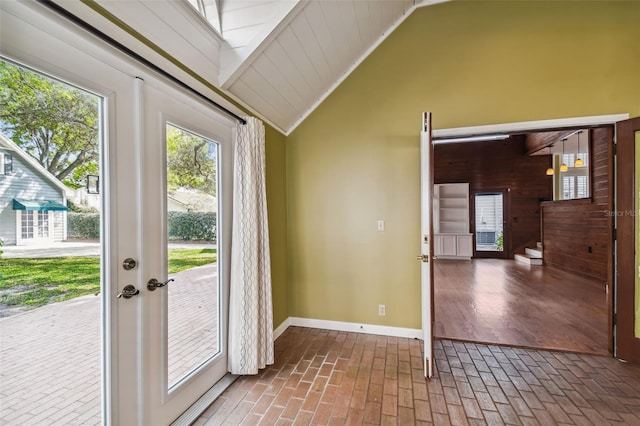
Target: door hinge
<point x="615" y="234"/>
<point x="615" y="318"/>
<point x="615" y="149"/>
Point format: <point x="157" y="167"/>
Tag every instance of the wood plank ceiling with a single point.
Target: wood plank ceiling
<point x="309" y="54"/>
<point x="280" y="58"/>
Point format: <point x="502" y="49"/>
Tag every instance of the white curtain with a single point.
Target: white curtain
<point x="250" y="307"/>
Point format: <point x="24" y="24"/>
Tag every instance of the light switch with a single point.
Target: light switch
<point x="381" y="225"/>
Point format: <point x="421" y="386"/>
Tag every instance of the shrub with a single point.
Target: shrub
<point x="78" y="208"/>
<point x="500" y="241"/>
<point x="186" y="226"/>
<point x="83" y="226"/>
<point x="192" y="226"/>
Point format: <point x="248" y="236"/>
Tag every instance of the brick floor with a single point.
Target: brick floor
<point x="337" y="378"/>
<point x="50" y="366"/>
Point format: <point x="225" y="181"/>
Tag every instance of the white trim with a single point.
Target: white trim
<point x="382" y="330"/>
<point x="525" y="126"/>
<point x="281" y="328"/>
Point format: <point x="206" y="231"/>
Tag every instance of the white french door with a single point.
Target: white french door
<point x="426" y="240"/>
<point x="162" y="348"/>
<point x="33" y="226"/>
<point x="186" y="151"/>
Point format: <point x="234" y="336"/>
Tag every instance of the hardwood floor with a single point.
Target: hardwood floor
<point x="324" y="377"/>
<point x="509" y="303"/>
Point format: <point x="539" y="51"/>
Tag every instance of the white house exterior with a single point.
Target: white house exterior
<point x="32" y="201"/>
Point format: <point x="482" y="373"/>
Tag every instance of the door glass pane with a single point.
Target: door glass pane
<point x="192" y="212"/>
<point x="27" y="224"/>
<point x="50" y="260"/>
<point x="489" y="232"/>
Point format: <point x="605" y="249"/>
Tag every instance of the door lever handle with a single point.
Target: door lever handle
<point x="154" y="283"/>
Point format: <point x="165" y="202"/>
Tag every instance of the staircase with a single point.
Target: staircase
<point x="531" y="256"/>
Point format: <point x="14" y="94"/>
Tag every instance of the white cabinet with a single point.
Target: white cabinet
<point x="451" y="221"/>
<point x="448" y="245"/>
<point x="464" y="245"/>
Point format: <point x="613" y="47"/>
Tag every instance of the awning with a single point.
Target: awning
<point x="37" y="205"/>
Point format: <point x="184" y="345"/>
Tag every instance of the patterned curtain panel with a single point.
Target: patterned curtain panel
<point x="250" y="308"/>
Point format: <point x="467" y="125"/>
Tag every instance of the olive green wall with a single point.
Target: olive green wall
<point x="277" y="208"/>
<point x="355" y="159"/>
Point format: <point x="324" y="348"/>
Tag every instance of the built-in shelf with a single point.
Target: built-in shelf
<point x="452" y="239"/>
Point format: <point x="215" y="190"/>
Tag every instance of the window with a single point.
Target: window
<point x="574" y="159"/>
<point x="574" y="183"/>
<point x="6" y="164"/>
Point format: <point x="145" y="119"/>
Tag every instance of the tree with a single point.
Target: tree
<point x="54" y="123"/>
<point x="191" y="161"/>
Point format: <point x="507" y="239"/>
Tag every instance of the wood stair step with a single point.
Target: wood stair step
<point x="528" y="259"/>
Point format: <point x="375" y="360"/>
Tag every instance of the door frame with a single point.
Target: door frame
<point x="506" y="223"/>
<point x="541" y="125"/>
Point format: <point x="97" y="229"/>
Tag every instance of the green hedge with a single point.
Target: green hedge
<point x="83" y="226"/>
<point x="183" y="226"/>
<point x="188" y="226"/>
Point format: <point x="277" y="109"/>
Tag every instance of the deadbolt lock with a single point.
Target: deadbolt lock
<point x="128" y="264"/>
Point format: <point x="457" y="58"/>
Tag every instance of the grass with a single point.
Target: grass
<point x="37" y="282"/>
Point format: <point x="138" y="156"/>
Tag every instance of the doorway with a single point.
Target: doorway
<point x="150" y="365"/>
<point x="508" y="163"/>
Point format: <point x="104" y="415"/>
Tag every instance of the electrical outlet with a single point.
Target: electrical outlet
<point x="382" y="310"/>
<point x="381" y="226"/>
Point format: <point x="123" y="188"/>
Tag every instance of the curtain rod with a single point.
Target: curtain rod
<point x="124" y="49"/>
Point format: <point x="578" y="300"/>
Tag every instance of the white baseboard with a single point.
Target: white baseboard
<point x="281" y="328"/>
<point x="382" y="330"/>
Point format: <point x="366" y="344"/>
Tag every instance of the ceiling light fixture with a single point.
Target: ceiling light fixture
<point x="563" y="166"/>
<point x="550" y="170"/>
<point x="579" y="162"/>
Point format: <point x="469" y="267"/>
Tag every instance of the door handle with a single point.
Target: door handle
<point x="128" y="292"/>
<point x="423" y="257"/>
<point x="154" y="283"/>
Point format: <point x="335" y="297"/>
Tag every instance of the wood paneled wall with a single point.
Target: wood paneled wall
<point x="577" y="234"/>
<point x="501" y="165"/>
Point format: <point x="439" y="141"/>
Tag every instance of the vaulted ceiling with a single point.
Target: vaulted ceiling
<point x="279" y="58"/>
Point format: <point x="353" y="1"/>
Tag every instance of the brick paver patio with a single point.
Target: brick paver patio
<point x="50" y="357"/>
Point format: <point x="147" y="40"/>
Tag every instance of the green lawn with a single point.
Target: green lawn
<point x="36" y="282"/>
